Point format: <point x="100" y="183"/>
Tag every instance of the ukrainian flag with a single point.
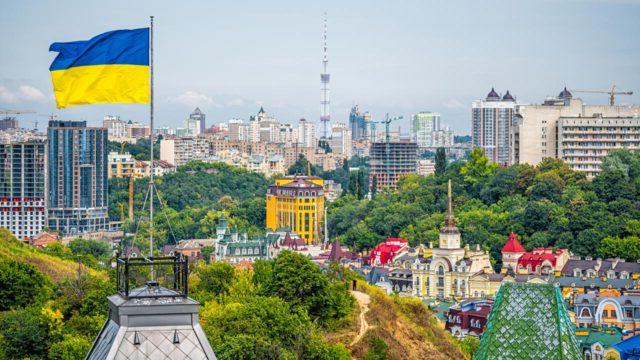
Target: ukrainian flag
<point x="110" y="68"/>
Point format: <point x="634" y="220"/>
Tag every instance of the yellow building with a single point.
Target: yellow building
<point x="297" y="202"/>
<point x="120" y="165"/>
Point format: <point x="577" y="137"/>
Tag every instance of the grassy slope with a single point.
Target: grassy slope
<point x="407" y="327"/>
<point x="53" y="267"/>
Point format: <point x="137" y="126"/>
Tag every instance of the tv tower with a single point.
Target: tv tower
<point x="324" y="80"/>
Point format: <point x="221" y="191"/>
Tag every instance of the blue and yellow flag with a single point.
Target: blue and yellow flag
<point x="110" y="68"/>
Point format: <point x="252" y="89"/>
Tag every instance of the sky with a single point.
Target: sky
<point x="398" y="57"/>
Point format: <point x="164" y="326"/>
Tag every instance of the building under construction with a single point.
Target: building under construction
<point x="389" y="162"/>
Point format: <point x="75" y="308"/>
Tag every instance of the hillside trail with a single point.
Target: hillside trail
<point x="363" y="301"/>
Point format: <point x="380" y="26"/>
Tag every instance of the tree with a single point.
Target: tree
<point x="477" y="169"/>
<point x="213" y="280"/>
<point x="25" y="333"/>
<point x="71" y="348"/>
<point x="94" y="248"/>
<point x="441" y="161"/>
<point x="22" y="285"/>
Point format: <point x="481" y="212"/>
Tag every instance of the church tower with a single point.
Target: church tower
<point x="449" y="234"/>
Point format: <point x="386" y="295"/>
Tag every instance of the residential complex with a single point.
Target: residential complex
<point x="77" y="177"/>
<point x="124" y="131"/>
<point x="297" y="203"/>
<point x="491" y="121"/>
<point x="23" y="184"/>
<point x="390" y="161"/>
<point x="120" y="165"/>
<point x="566" y="128"/>
<point x="427" y="132"/>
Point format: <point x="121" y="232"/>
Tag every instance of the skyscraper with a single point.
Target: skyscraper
<point x="491" y="121"/>
<point x="359" y="124"/>
<point x="324" y="80"/>
<point x="198" y="118"/>
<point x="22" y="185"/>
<point x="77" y="177"/>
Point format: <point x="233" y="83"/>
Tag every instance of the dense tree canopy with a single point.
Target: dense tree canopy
<point x="546" y="205"/>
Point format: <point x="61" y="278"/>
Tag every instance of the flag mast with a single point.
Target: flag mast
<point x="151" y="185"/>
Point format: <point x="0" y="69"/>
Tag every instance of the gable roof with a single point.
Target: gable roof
<point x="528" y="321"/>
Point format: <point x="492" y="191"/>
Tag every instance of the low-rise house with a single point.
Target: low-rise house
<point x="540" y="260"/>
<point x="621" y="311"/>
<point x="401" y="280"/>
<point x="44" y="238"/>
<point x="597" y="342"/>
<point x="468" y="318"/>
<point x="609" y="268"/>
<point x="572" y="286"/>
<point x="484" y="284"/>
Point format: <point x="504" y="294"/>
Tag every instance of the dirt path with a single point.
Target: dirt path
<point x="363" y="301"/>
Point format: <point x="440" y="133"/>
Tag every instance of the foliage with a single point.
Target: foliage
<point x="470" y="345"/>
<point x="94" y="248"/>
<point x="546" y="205"/>
<point x="25" y="333"/>
<point x="22" y="284"/>
<point x="140" y="150"/>
<point x="377" y="350"/>
<point x="71" y="348"/>
<point x="213" y="280"/>
<point x="441" y="161"/>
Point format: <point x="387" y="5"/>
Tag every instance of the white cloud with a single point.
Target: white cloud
<point x="453" y="104"/>
<point x="29" y="93"/>
<point x="193" y="99"/>
<point x="24" y="93"/>
<point x="235" y="102"/>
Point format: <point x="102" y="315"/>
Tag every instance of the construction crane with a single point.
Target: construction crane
<point x="8" y="112"/>
<point x="51" y="117"/>
<point x="612" y="93"/>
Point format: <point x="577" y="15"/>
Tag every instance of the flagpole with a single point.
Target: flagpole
<point x="151" y="185"/>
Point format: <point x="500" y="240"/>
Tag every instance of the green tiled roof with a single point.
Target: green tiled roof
<point x="528" y="321"/>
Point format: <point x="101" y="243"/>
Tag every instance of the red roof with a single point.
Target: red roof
<point x="387" y="250"/>
<point x="513" y="245"/>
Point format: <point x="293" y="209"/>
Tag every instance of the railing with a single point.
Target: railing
<point x="153" y="277"/>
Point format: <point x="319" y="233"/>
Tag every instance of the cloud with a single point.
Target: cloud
<point x="453" y="104"/>
<point x="235" y="102"/>
<point x="193" y="99"/>
<point x="24" y="93"/>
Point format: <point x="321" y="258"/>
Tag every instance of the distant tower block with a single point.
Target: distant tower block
<point x="324" y="80"/>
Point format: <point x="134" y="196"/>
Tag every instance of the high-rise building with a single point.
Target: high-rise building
<point x="116" y="128"/>
<point x="23" y="185"/>
<point x="307" y="133"/>
<point x="198" y="116"/>
<point x="340" y="141"/>
<point x="77" y="177"/>
<point x="389" y="162"/>
<point x="584" y="141"/>
<point x="360" y="124"/>
<point x="556" y="129"/>
<point x="180" y="151"/>
<point x="428" y="132"/>
<point x="297" y="202"/>
<point x="491" y="121"/>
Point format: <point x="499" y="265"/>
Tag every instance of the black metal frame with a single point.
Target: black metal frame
<point x="180" y="266"/>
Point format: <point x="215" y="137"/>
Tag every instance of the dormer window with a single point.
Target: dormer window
<point x="577" y="272"/>
<point x="624" y="275"/>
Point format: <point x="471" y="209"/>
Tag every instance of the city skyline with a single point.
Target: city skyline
<point x="231" y="59"/>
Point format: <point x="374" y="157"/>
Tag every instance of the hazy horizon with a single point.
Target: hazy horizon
<point x="399" y="57"/>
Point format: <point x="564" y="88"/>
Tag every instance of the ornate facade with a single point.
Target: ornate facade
<point x="448" y="271"/>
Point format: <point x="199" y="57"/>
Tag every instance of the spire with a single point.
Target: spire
<point x="450" y="207"/>
<point x="449" y="220"/>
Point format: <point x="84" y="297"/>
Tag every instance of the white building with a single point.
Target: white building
<point x="23" y="178"/>
<point x="491" y="125"/>
<point x="340" y="141"/>
<point x="180" y="151"/>
<point x="307" y="133"/>
<point x="536" y="131"/>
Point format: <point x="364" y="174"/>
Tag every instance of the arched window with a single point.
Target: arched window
<point x="250" y="251"/>
<point x="585" y="312"/>
<point x="624" y="275"/>
<point x="463" y="288"/>
<point x="440" y="276"/>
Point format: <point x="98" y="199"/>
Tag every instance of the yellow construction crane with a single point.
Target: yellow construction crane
<point x="612" y="93"/>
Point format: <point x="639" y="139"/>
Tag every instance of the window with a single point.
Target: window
<point x="585" y="312"/>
